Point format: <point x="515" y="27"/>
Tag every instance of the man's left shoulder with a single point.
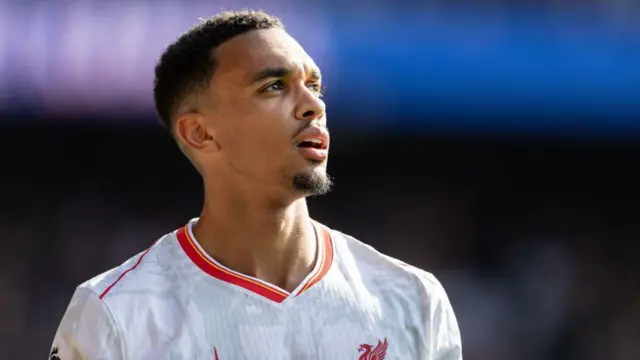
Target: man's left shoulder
<point x="385" y="270"/>
<point x="416" y="298"/>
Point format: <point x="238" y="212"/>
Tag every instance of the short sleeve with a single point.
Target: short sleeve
<point x="87" y="331"/>
<point x="446" y="343"/>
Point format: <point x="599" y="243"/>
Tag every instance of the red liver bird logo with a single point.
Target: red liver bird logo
<point x="374" y="353"/>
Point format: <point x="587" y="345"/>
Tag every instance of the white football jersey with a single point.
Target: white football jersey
<point x="173" y="301"/>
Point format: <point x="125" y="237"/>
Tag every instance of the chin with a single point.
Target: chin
<point x="313" y="182"/>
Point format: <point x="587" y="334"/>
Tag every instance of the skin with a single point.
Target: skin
<point x="240" y="136"/>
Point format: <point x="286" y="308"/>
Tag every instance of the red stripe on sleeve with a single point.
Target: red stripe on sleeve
<point x="106" y="291"/>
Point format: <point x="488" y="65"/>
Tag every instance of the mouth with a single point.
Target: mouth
<point x="313" y="143"/>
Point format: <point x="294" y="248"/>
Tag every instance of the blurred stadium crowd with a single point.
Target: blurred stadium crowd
<point x="535" y="243"/>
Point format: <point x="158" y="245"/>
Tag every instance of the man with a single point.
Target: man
<point x="254" y="277"/>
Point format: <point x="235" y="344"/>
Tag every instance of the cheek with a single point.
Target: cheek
<point x="268" y="122"/>
<point x="261" y="152"/>
<point x="269" y="143"/>
<point x="259" y="137"/>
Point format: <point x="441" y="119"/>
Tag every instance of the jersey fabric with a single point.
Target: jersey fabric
<point x="173" y="301"/>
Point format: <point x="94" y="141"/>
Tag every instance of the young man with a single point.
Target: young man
<point x="254" y="277"/>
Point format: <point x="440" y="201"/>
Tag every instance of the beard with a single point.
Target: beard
<point x="313" y="183"/>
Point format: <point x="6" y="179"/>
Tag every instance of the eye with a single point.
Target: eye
<point x="274" y="86"/>
<point x="318" y="89"/>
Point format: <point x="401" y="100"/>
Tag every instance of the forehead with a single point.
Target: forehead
<point x="245" y="55"/>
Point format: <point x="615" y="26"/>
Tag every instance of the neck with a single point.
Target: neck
<point x="276" y="244"/>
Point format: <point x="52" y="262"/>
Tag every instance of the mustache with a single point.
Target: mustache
<point x="310" y="125"/>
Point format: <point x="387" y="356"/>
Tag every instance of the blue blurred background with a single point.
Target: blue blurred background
<point x="493" y="143"/>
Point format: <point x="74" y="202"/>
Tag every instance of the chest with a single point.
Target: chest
<point x="239" y="328"/>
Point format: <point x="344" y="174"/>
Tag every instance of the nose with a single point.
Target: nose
<point x="310" y="106"/>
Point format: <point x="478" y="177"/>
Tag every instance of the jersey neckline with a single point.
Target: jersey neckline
<point x="213" y="268"/>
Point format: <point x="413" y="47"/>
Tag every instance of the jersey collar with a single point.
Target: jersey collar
<point x="213" y="268"/>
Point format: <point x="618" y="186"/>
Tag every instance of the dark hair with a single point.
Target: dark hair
<point x="187" y="65"/>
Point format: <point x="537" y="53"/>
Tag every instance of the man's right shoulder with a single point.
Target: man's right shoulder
<point x="103" y="307"/>
<point x="137" y="272"/>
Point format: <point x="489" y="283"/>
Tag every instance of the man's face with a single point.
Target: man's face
<point x="265" y="99"/>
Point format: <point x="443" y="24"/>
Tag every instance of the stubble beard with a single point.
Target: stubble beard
<point x="313" y="183"/>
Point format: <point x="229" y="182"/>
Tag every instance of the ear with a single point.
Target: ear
<point x="195" y="133"/>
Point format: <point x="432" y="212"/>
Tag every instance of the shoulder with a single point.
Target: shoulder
<point x="103" y="307"/>
<point x="385" y="271"/>
<point x="400" y="285"/>
<point x="137" y="271"/>
<point x="87" y="330"/>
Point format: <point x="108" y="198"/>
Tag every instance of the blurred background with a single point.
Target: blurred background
<point x="492" y="143"/>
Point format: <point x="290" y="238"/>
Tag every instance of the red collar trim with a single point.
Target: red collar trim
<point x="271" y="292"/>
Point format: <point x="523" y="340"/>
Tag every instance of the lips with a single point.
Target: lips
<point x="313" y="137"/>
<point x="313" y="143"/>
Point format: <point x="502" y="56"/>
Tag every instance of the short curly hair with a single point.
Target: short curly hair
<point x="188" y="64"/>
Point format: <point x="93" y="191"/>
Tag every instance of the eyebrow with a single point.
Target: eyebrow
<point x="280" y="72"/>
<point x="315" y="75"/>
